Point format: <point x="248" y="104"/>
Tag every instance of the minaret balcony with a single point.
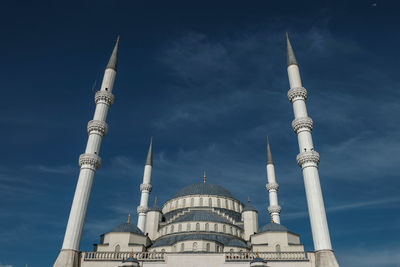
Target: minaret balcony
<point x="272" y="186"/>
<point x="302" y="124"/>
<point x="104" y="97"/>
<point x="297" y="93"/>
<point x="308" y="158"/>
<point x="97" y="126"/>
<point x="91" y="160"/>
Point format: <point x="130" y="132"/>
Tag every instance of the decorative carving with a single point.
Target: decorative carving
<point x="301" y="124"/>
<point x="274" y="209"/>
<point x="297" y="92"/>
<point x="310" y="156"/>
<point x="90" y="159"/>
<point x="147" y="187"/>
<point x="272" y="186"/>
<point x="105" y="97"/>
<point x="99" y="126"/>
<point x="141" y="209"/>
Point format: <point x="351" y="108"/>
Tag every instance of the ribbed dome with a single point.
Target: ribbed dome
<point x="204" y="189"/>
<point x="201" y="216"/>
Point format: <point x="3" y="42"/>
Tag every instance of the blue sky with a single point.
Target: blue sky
<point x="208" y="80"/>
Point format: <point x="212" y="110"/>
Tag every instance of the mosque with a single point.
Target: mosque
<point x="203" y="224"/>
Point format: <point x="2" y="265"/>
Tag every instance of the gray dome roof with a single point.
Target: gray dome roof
<point x="131" y="259"/>
<point x="204" y="189"/>
<point x="127" y="228"/>
<point x="202" y="216"/>
<point x="155" y="208"/>
<point x="273" y="227"/>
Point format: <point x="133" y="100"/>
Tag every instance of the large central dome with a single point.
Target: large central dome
<point x="204" y="189"/>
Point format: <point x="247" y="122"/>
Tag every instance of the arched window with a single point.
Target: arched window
<point x="224" y="228"/>
<point x="184" y="202"/>
<point x="231" y="250"/>
<point x="216" y="227"/>
<point x="278" y="248"/>
<point x="226" y="204"/>
<point x="117" y="248"/>
<point x="180" y="228"/>
<point x="197" y="226"/>
<point x="219" y="203"/>
<point x="237" y="231"/>
<point x="207" y="227"/>
<point x="182" y="247"/>
<point x="188" y="226"/>
<point x="217" y="249"/>
<point x="174" y="248"/>
<point x="201" y="201"/>
<point x="231" y="230"/>
<point x="208" y="247"/>
<point x="172" y="228"/>
<point x="163" y="251"/>
<point x="195" y="246"/>
<point x="210" y="202"/>
<point x="192" y="202"/>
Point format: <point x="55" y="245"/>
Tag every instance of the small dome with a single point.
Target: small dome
<point x="273" y="227"/>
<point x="249" y="207"/>
<point x="155" y="208"/>
<point x="131" y="259"/>
<point x="258" y="259"/>
<point x="127" y="228"/>
<point x="204" y="189"/>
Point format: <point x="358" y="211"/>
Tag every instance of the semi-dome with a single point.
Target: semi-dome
<point x="273" y="227"/>
<point x="204" y="189"/>
<point x="127" y="228"/>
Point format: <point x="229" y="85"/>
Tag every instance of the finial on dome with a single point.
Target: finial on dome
<point x="149" y="160"/>
<point x="155" y="201"/>
<point x="129" y="218"/>
<point x="204" y="177"/>
<point x="291" y="59"/>
<point x="269" y="154"/>
<point x="272" y="219"/>
<point x="248" y="200"/>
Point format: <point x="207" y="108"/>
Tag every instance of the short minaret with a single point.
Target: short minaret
<point x="250" y="220"/>
<point x="145" y="189"/>
<point x="308" y="160"/>
<point x="89" y="162"/>
<point x="272" y="186"/>
<point x="153" y="219"/>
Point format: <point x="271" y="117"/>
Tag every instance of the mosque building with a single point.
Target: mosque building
<point x="203" y="224"/>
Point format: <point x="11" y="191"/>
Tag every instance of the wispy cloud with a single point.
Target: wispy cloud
<point x="367" y="257"/>
<point x="60" y="169"/>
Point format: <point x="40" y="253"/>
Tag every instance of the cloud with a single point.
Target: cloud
<point x="60" y="169"/>
<point x="367" y="257"/>
<point x="346" y="207"/>
<point x="5" y="265"/>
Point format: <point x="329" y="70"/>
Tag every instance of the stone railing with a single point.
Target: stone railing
<point x="119" y="256"/>
<point x="272" y="256"/>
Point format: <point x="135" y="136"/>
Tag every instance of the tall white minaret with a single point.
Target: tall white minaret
<point x="272" y="186"/>
<point x="89" y="162"/>
<point x="145" y="188"/>
<point x="308" y="160"/>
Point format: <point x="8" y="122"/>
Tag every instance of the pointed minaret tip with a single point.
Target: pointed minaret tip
<point x="149" y="160"/>
<point x="112" y="63"/>
<point x="291" y="59"/>
<point x="269" y="154"/>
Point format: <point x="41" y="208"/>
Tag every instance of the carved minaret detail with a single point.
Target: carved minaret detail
<point x="145" y="189"/>
<point x="272" y="186"/>
<point x="89" y="162"/>
<point x="308" y="160"/>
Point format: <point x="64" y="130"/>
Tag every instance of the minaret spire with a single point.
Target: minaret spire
<point x="89" y="162"/>
<point x="145" y="189"/>
<point x="272" y="186"/>
<point x="291" y="59"/>
<point x="149" y="160"/>
<point x="112" y="63"/>
<point x="308" y="160"/>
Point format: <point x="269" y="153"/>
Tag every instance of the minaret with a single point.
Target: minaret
<point x="89" y="162"/>
<point x="308" y="160"/>
<point x="272" y="186"/>
<point x="145" y="188"/>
